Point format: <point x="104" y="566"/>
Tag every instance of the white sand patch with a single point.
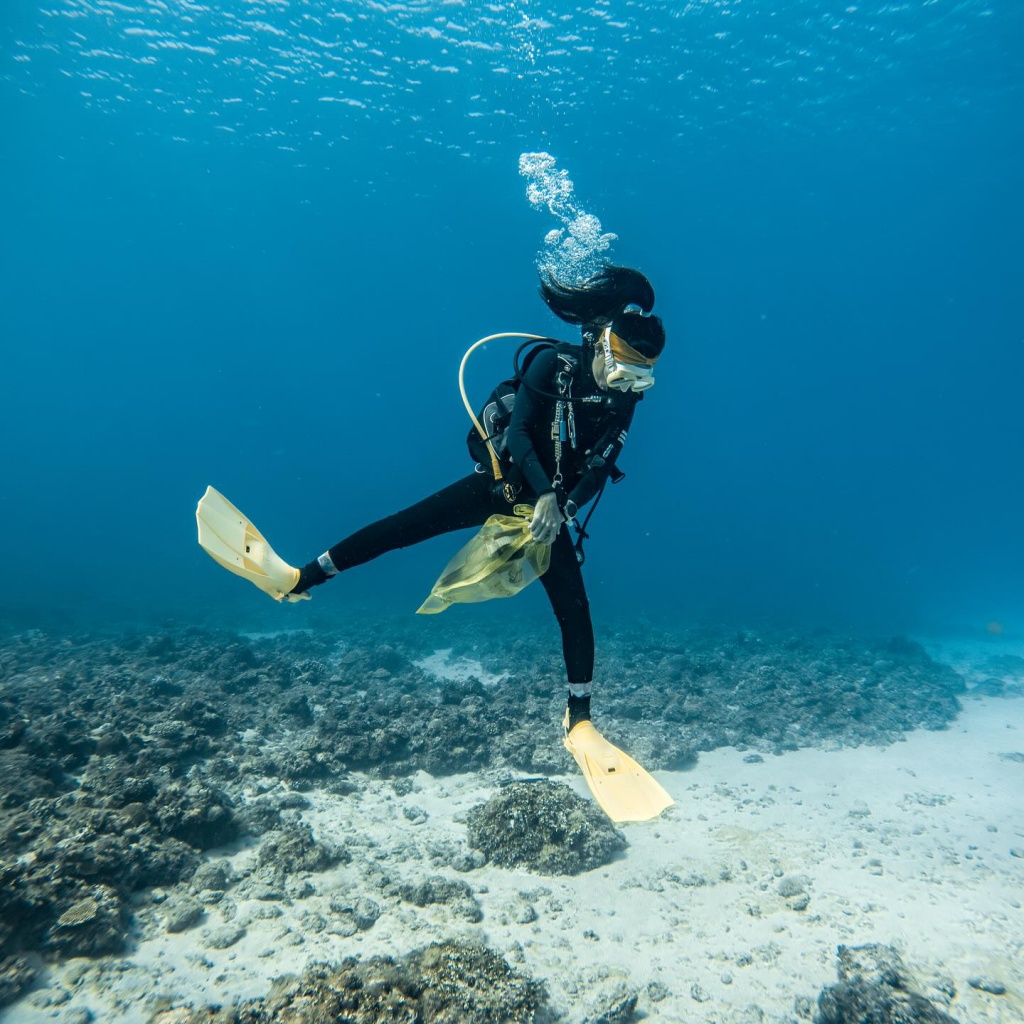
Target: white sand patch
<point x="443" y="667"/>
<point x="908" y="845"/>
<point x="977" y="659"/>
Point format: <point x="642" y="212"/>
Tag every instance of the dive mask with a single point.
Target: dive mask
<point x="625" y="368"/>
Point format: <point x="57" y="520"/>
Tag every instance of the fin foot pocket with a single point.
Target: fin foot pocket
<point x="624" y="790"/>
<point x="233" y="542"/>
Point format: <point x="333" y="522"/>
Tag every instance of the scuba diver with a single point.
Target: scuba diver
<point x="570" y="415"/>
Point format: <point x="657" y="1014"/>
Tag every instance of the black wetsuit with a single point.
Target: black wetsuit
<point x="601" y="420"/>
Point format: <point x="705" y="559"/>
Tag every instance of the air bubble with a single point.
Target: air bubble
<point x="573" y="252"/>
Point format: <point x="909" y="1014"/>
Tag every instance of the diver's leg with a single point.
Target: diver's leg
<point x="564" y="585"/>
<point x="467" y="502"/>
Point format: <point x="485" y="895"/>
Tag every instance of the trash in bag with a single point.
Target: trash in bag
<point x="498" y="562"/>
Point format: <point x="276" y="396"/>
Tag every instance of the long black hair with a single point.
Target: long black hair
<point x="600" y="298"/>
<point x="644" y="333"/>
<point x="601" y="302"/>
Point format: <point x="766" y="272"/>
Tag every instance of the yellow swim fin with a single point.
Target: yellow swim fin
<point x="232" y="541"/>
<point x="625" y="791"/>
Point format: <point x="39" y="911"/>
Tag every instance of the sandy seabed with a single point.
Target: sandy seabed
<point x="919" y="845"/>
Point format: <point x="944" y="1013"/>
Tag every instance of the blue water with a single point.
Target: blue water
<point x="247" y="245"/>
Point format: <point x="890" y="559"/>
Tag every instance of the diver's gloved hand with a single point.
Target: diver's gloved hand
<point x="547" y="519"/>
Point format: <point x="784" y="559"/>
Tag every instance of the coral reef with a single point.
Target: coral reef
<point x="125" y="757"/>
<point x="446" y="983"/>
<point x="874" y="985"/>
<point x="544" y="827"/>
<point x="294" y="849"/>
<point x="16" y="974"/>
<point x="449" y="892"/>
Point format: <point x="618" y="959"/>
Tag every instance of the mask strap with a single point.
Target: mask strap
<point x="635" y="307"/>
<point x="606" y="344"/>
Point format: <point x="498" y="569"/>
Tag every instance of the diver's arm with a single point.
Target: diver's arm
<point x="531" y="413"/>
<point x="600" y="463"/>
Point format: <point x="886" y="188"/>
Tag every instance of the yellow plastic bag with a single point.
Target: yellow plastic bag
<point x="498" y="562"/>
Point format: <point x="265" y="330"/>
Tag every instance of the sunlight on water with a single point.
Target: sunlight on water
<point x="265" y="69"/>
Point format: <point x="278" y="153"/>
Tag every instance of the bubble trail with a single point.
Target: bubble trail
<point x="573" y="252"/>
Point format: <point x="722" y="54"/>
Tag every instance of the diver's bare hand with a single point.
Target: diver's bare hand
<point x="547" y="519"/>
